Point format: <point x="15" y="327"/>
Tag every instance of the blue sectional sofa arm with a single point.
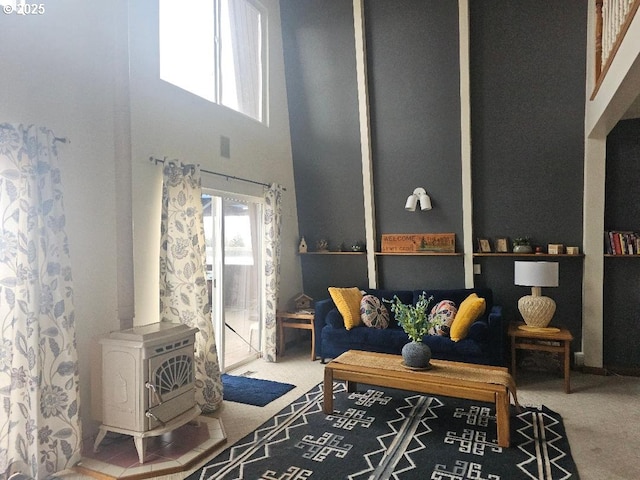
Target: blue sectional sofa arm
<point x="485" y="343"/>
<point x="322" y="309"/>
<point x="498" y="327"/>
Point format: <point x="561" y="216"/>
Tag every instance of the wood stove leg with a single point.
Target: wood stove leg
<point x="141" y="446"/>
<point x="101" y="434"/>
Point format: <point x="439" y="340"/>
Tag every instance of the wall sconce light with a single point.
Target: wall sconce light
<point x="418" y="195"/>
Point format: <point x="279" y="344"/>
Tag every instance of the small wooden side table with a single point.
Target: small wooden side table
<point x="299" y="320"/>
<point x="538" y="339"/>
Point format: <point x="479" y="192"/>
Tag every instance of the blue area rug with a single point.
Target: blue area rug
<point x="380" y="433"/>
<point x="252" y="391"/>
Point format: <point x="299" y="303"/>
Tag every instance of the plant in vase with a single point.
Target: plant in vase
<point x="415" y="321"/>
<point x="522" y="245"/>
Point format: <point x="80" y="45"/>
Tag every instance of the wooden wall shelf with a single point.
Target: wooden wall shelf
<point x="420" y="254"/>
<point x="529" y="255"/>
<point x="332" y="253"/>
<point x="380" y="254"/>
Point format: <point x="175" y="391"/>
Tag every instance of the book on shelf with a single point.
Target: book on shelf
<point x="621" y="242"/>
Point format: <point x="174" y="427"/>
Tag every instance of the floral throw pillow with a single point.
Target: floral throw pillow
<point x="444" y="312"/>
<point x="373" y="312"/>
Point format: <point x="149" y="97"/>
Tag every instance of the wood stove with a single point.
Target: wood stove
<point x="148" y="381"/>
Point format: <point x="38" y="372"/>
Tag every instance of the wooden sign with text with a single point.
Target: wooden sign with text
<point x="418" y="242"/>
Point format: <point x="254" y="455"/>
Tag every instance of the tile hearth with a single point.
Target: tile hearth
<point x="172" y="452"/>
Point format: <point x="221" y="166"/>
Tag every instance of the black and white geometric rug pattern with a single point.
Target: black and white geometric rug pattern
<point x="383" y="433"/>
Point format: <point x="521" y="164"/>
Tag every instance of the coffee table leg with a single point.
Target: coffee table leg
<point x="327" y="391"/>
<point x="502" y="419"/>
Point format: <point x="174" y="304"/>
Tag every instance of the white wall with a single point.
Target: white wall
<point x="170" y="122"/>
<point x="56" y="70"/>
<point x="68" y="70"/>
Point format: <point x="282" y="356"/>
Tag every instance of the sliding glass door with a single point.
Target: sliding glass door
<point x="234" y="274"/>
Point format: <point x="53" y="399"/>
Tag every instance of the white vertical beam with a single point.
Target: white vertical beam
<point x="365" y="140"/>
<point x="593" y="228"/>
<point x="465" y="141"/>
<point x="123" y="168"/>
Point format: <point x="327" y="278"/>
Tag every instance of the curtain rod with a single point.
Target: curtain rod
<point x="228" y="177"/>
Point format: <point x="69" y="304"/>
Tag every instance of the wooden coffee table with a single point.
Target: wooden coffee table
<point x="452" y="379"/>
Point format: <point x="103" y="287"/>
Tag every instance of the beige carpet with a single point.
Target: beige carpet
<point x="601" y="415"/>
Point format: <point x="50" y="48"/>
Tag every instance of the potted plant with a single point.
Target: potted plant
<point x="415" y="321"/>
<point x="522" y="245"/>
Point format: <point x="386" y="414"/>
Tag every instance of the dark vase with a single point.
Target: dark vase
<point x="416" y="355"/>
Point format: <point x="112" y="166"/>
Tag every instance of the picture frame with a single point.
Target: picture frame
<point x="502" y="245"/>
<point x="484" y="246"/>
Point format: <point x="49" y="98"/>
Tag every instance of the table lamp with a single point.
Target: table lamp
<point x="536" y="310"/>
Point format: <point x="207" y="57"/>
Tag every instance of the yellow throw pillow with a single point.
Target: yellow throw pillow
<point x="468" y="312"/>
<point x="348" y="302"/>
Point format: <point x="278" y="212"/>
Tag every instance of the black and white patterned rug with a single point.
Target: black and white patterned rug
<point x="382" y="433"/>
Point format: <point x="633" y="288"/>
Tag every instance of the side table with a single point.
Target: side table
<point x="555" y="340"/>
<point x="299" y="320"/>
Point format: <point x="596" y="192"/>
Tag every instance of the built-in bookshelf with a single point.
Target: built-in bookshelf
<point x="618" y="242"/>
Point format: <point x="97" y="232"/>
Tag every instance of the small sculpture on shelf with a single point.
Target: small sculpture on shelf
<point x="302" y="247"/>
<point x="322" y="245"/>
<point x="358" y="247"/>
<point x="303" y="303"/>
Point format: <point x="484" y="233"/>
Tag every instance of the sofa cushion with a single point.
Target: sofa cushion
<point x="405" y="296"/>
<point x="470" y="310"/>
<point x="348" y="302"/>
<point x="457" y="296"/>
<point x="373" y="313"/>
<point x="443" y="312"/>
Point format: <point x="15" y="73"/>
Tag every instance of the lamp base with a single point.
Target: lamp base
<point x="537" y="311"/>
<point x="527" y="328"/>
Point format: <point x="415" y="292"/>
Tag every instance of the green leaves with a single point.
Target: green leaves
<point x="414" y="319"/>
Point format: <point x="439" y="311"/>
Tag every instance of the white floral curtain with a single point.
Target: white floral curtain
<point x="272" y="227"/>
<point x="39" y="423"/>
<point x="183" y="288"/>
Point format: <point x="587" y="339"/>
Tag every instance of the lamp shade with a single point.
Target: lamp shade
<point x="536" y="274"/>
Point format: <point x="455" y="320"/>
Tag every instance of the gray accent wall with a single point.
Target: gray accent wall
<point x="320" y="69"/>
<point x="527" y="114"/>
<point x="527" y="104"/>
<point x="414" y="94"/>
<point x="622" y="274"/>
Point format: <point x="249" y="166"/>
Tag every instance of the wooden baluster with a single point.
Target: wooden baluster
<point x="598" y="38"/>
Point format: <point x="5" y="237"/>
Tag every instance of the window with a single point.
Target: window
<point x="216" y="49"/>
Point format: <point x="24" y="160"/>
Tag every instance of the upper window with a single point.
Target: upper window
<point x="216" y="50"/>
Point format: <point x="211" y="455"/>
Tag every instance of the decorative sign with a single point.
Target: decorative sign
<point x="418" y="242"/>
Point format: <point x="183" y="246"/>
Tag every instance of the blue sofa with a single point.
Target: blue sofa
<point x="484" y="344"/>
